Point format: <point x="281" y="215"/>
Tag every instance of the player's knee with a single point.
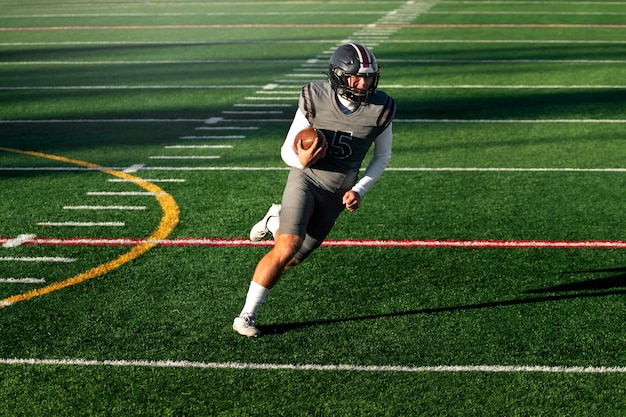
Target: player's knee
<point x="286" y="247"/>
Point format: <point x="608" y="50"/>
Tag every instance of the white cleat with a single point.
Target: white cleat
<point x="260" y="229"/>
<point x="245" y="326"/>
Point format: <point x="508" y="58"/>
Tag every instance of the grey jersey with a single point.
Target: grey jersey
<point x="349" y="136"/>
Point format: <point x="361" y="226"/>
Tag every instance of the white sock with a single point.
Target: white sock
<point x="254" y="299"/>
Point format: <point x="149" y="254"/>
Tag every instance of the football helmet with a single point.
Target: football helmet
<point x="349" y="60"/>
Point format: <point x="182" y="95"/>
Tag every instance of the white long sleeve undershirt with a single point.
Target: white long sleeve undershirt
<point x="375" y="168"/>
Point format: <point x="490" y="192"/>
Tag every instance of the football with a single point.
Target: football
<point x="307" y="136"/>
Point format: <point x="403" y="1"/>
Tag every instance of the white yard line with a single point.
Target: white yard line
<point x="22" y="280"/>
<point x="36" y="259"/>
<point x="81" y="224"/>
<point x="318" y="367"/>
<point x="104" y="207"/>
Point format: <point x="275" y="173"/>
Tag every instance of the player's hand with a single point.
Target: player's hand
<point x="310" y="156"/>
<point x="352" y="200"/>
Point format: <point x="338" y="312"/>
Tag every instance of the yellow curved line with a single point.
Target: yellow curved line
<point x="168" y="222"/>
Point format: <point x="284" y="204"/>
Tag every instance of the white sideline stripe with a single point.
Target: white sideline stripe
<point x="31" y="121"/>
<point x="129" y="87"/>
<point x="82" y="224"/>
<point x="216" y="168"/>
<point x="184" y="157"/>
<point x="107" y="121"/>
<point x="123" y="193"/>
<point x="285" y="41"/>
<point x="36" y="259"/>
<point x="104" y="207"/>
<point x="214" y="137"/>
<point x="228" y="128"/>
<point x="22" y="280"/>
<point x="520" y="13"/>
<point x="268" y="98"/>
<point x="199" y="147"/>
<point x="316" y="367"/>
<point x="184" y="14"/>
<point x="511" y="169"/>
<point x="515" y="41"/>
<point x="147" y="180"/>
<point x="259" y="112"/>
<point x="509" y="121"/>
<point x="508" y="87"/>
<point x="19" y="240"/>
<point x="408" y="169"/>
<point x="506" y="61"/>
<point x="261" y="105"/>
<point x="152" y="62"/>
<point x="425" y="169"/>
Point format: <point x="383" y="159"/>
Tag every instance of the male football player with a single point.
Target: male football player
<point x="323" y="179"/>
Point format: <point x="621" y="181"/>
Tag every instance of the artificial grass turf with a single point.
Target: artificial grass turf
<point x="70" y="390"/>
<point x="372" y="306"/>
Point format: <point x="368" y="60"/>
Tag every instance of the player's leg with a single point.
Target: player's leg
<point x="271" y="266"/>
<point x="266" y="275"/>
<point x="297" y="207"/>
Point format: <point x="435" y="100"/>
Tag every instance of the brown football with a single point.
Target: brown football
<point x="307" y="136"/>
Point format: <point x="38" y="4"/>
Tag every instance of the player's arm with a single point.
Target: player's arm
<point x="378" y="163"/>
<point x="298" y="157"/>
<point x="287" y="151"/>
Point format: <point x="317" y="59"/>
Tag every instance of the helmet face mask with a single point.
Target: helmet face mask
<point x="353" y="60"/>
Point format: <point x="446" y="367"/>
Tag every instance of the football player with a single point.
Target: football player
<point x="323" y="179"/>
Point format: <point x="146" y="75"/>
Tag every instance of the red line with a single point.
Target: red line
<point x="468" y="244"/>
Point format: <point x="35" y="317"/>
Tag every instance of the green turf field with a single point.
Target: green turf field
<point x="484" y="275"/>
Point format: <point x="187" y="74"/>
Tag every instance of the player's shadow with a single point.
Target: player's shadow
<point x="600" y="287"/>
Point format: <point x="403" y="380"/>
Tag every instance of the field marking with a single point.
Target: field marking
<point x="305" y="68"/>
<point x="168" y="222"/>
<point x="533" y="13"/>
<point x="375" y="243"/>
<point x="510" y="121"/>
<point x="487" y="169"/>
<point x="321" y="368"/>
<point x="227" y="128"/>
<point x="36" y="259"/>
<point x="18" y="241"/>
<point x="199" y="146"/>
<point x="155" y="62"/>
<point x="82" y="224"/>
<point x="130" y="87"/>
<point x="104" y="207"/>
<point x="187" y="14"/>
<point x="539" y="2"/>
<point x="22" y="280"/>
<point x="147" y="180"/>
<point x="320" y="26"/>
<point x="96" y="121"/>
<point x="214" y="137"/>
<point x="137" y="181"/>
<point x="249" y="169"/>
<point x="505" y="61"/>
<point x="269" y="94"/>
<point x="36" y="121"/>
<point x="184" y="157"/>
<point x="286" y="41"/>
<point x="508" y="87"/>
